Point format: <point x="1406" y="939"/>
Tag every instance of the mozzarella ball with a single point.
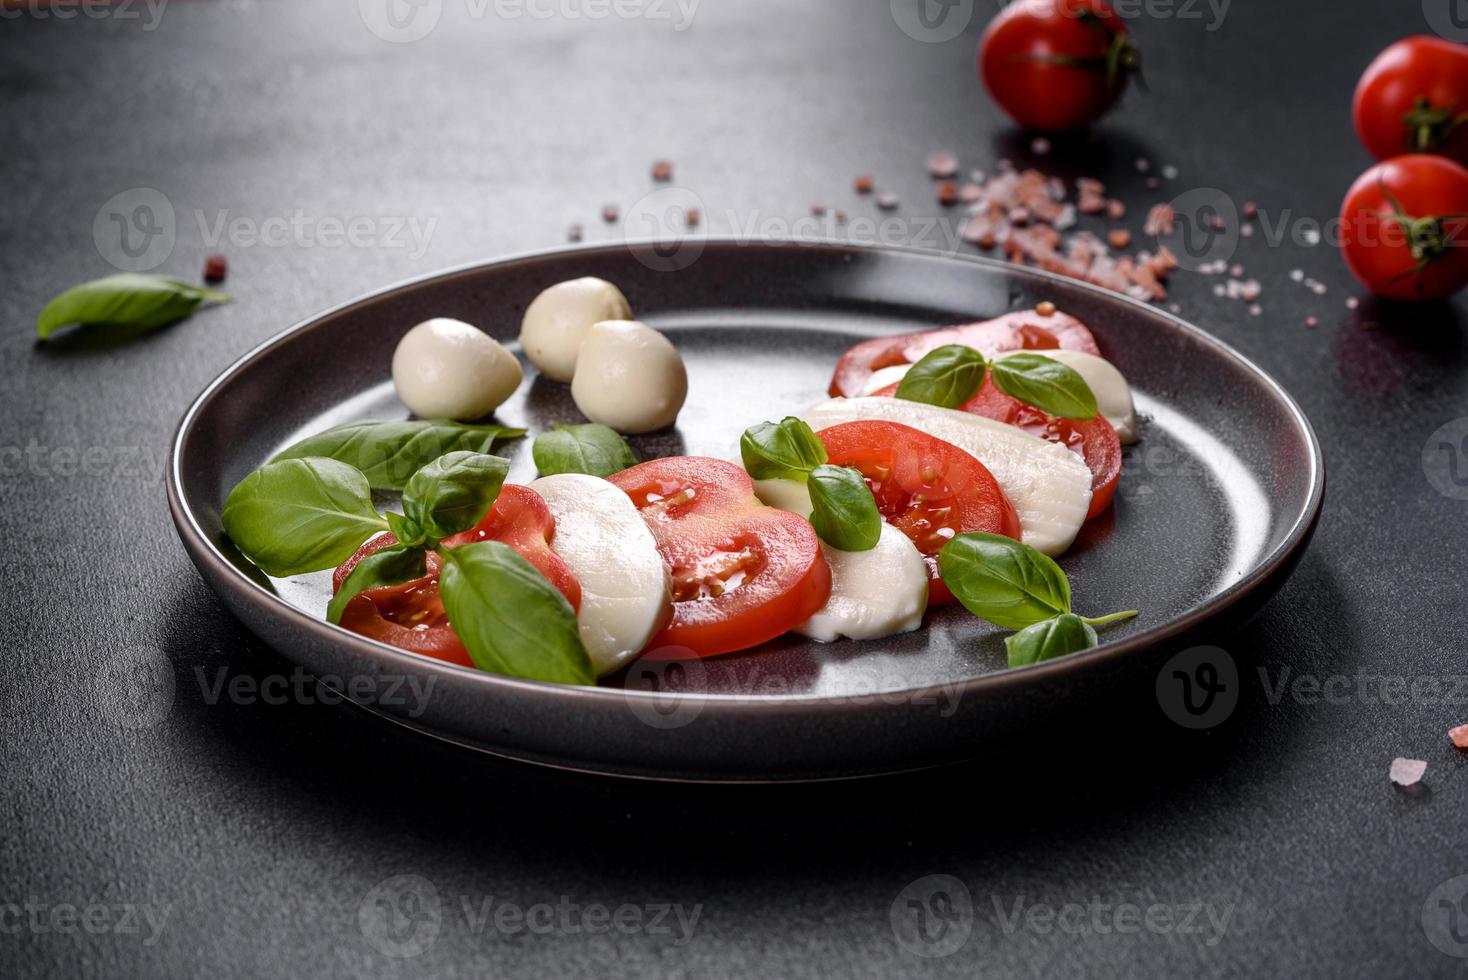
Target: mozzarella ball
<point x="629" y="376"/>
<point x="447" y="369"/>
<point x="556" y="322"/>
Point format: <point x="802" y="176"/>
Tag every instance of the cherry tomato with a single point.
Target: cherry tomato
<point x="1403" y="228"/>
<point x="928" y="489"/>
<point x="1414" y="99"/>
<point x="1093" y="439"/>
<point x="1056" y="64"/>
<point x="1021" y="330"/>
<point x="411" y="616"/>
<point x="743" y="573"/>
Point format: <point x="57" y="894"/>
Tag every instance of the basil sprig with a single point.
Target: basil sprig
<point x="1049" y="638"/>
<point x="592" y="448"/>
<point x="301" y="515"/>
<point x="843" y="511"/>
<point x="1046" y="384"/>
<point x="946" y="376"/>
<point x="784" y="450"/>
<point x="129" y="299"/>
<point x="453" y="493"/>
<point x="509" y="617"/>
<point x="1014" y="586"/>
<point x="388" y="453"/>
<point x="949" y="376"/>
<point x="390" y="566"/>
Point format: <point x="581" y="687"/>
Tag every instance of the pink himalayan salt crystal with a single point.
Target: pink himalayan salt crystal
<point x="942" y="164"/>
<point x="1459" y="736"/>
<point x="1408" y="772"/>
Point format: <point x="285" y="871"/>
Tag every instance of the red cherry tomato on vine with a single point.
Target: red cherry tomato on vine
<point x="1056" y="64"/>
<point x="1404" y="227"/>
<point x="1414" y="99"/>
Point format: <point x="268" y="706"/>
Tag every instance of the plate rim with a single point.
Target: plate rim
<point x="200" y="546"/>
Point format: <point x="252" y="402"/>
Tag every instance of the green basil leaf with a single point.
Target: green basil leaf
<point x="843" y="511"/>
<point x="405" y="529"/>
<point x="1050" y="638"/>
<point x="591" y="448"/>
<point x="301" y="515"/>
<point x="946" y="376"/>
<point x="784" y="450"/>
<point x="454" y="492"/>
<point x="389" y="453"/>
<point x="999" y="579"/>
<point x="1046" y="384"/>
<point x="509" y="616"/>
<point x="129" y="299"/>
<point x="390" y="566"/>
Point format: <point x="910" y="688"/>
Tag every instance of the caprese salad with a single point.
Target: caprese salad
<point x="947" y="465"/>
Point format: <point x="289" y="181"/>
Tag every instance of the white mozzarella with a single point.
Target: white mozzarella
<point x="557" y="320"/>
<point x="874" y="593"/>
<point x="1113" y="394"/>
<point x="625" y="589"/>
<point x="1049" y="486"/>
<point x="449" y="369"/>
<point x="791" y="495"/>
<point x="629" y="376"/>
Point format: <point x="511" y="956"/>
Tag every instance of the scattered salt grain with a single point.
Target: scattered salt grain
<point x="817" y="210"/>
<point x="1352" y="302"/>
<point x="1153" y="183"/>
<point x="886" y="200"/>
<point x="215" y="268"/>
<point x="864" y="184"/>
<point x="1251" y="210"/>
<point x="662" y="170"/>
<point x="1311" y="321"/>
<point x="947" y="193"/>
<point x="1047" y="308"/>
<point x="1236" y="271"/>
<point x="1143" y="165"/>
<point x="1039" y="146"/>
<point x="694" y="216"/>
<point x="1115" y="210"/>
<point x="1459" y="736"/>
<point x="1311" y="236"/>
<point x="1256" y="310"/>
<point x="969" y="193"/>
<point x="573" y="233"/>
<point x="1407" y="772"/>
<point x="1319" y="288"/>
<point x="1298" y="275"/>
<point x="942" y="164"/>
<point x="1170" y="172"/>
<point x="1247" y="231"/>
<point x="1119" y="238"/>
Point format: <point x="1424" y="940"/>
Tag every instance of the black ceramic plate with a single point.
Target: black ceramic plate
<point x="1214" y="507"/>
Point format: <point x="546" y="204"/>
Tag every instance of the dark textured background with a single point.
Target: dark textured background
<point x="262" y="830"/>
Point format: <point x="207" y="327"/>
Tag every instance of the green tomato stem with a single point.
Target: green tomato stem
<point x="1109" y="618"/>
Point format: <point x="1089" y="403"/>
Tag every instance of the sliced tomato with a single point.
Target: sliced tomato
<point x="1094" y="439"/>
<point x="411" y="616"/>
<point x="743" y="573"/>
<point x="1021" y="330"/>
<point x="928" y="489"/>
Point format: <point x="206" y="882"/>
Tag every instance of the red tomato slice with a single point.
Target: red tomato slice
<point x="411" y="616"/>
<point x="928" y="489"/>
<point x="1021" y="330"/>
<point x="1094" y="439"/>
<point x="743" y="573"/>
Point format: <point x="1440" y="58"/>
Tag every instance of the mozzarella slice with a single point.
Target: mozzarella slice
<point x="791" y="495"/>
<point x="873" y="593"/>
<point x="1113" y="394"/>
<point x="625" y="590"/>
<point x="1049" y="486"/>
